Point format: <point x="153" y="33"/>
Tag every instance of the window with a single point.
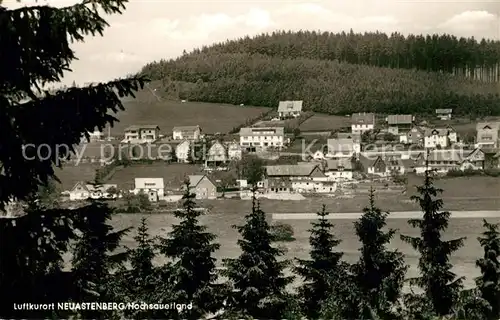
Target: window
<point x="149" y="184"/>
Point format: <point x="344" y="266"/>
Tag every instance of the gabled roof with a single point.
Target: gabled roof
<point x="142" y="126"/>
<point x="363" y="118"/>
<point x="290" y="106"/>
<point x="291" y="170"/>
<point x="488" y="126"/>
<point x="186" y="128"/>
<point x="262" y="131"/>
<point x="194" y="180"/>
<point x="367" y="162"/>
<point x="439" y="131"/>
<point x="356" y="137"/>
<point x="79" y="184"/>
<point x="444" y="111"/>
<point x="399" y="119"/>
<point x="336" y="164"/>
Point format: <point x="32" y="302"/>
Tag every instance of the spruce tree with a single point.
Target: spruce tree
<point x="489" y="281"/>
<point x="321" y="272"/>
<point x="257" y="277"/>
<point x="440" y="284"/>
<point x="140" y="283"/>
<point x="94" y="259"/>
<point x="194" y="272"/>
<point x="379" y="274"/>
<point x="36" y="50"/>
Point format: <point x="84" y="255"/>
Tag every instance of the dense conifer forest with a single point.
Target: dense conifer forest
<point x="341" y="73"/>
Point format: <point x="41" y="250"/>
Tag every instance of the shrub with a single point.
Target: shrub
<point x="283" y="232"/>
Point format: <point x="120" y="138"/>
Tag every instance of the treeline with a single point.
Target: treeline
<point x="324" y="86"/>
<point x="441" y="53"/>
<point x="188" y="282"/>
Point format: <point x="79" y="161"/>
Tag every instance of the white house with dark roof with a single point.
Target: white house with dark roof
<point x="187" y="133"/>
<point x="202" y="187"/>
<point x="288" y="109"/>
<point x="83" y="191"/>
<point x="362" y="122"/>
<point x="487" y="134"/>
<point x="141" y="133"/>
<point x="262" y="137"/>
<point x="439" y="137"/>
<point x="339" y="169"/>
<point x="342" y="148"/>
<point x="444" y="114"/>
<point x="154" y="188"/>
<point x="399" y="124"/>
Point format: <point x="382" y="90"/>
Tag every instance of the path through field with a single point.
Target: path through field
<point x="464" y="225"/>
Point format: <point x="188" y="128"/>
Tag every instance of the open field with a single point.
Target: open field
<point x="173" y="174"/>
<point x="324" y="122"/>
<point x="70" y="174"/>
<point x="220" y="224"/>
<point x="167" y="113"/>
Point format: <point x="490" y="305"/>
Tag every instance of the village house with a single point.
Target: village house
<point x="84" y="191"/>
<point x="443" y="161"/>
<point x="192" y="133"/>
<point x="154" y="188"/>
<point x="474" y="160"/>
<point x="234" y="151"/>
<point x="339" y="169"/>
<point x="375" y="166"/>
<point x="444" y="114"/>
<point x="287" y="109"/>
<point x="415" y="136"/>
<point x="252" y="139"/>
<point x="341" y="148"/>
<point x="202" y="187"/>
<point x="183" y="152"/>
<point x="356" y="140"/>
<point x="141" y="134"/>
<point x="487" y="134"/>
<point x="439" y="138"/>
<point x="298" y="177"/>
<point x="216" y="155"/>
<point x="399" y="125"/>
<point x="362" y="122"/>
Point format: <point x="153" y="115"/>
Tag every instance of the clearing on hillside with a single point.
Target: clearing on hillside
<point x="324" y="122"/>
<point x="70" y="174"/>
<point x="168" y="113"/>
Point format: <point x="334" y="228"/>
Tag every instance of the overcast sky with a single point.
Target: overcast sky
<point x="154" y="29"/>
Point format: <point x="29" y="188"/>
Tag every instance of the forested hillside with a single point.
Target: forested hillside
<point x="340" y="73"/>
